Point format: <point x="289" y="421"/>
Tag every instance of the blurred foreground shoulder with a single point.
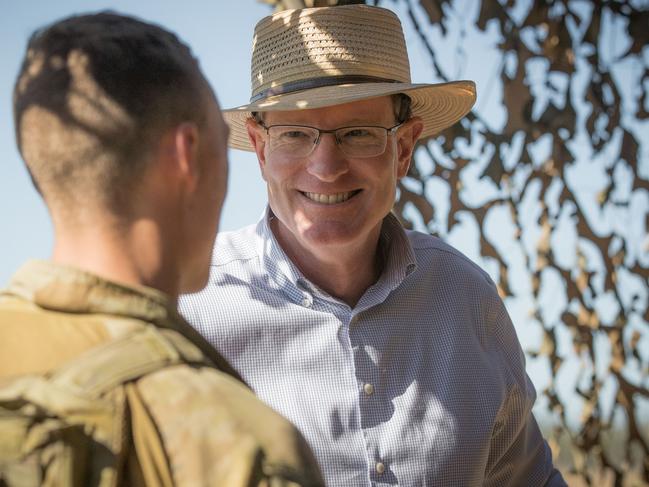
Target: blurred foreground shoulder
<point x="216" y="432"/>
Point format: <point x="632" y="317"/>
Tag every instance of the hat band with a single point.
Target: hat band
<point x="317" y="83"/>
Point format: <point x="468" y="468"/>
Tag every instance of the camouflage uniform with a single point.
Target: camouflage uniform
<point x="188" y="425"/>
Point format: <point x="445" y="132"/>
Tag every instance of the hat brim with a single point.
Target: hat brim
<point x="439" y="105"/>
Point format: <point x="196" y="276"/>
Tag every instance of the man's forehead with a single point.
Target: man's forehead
<point x="373" y="110"/>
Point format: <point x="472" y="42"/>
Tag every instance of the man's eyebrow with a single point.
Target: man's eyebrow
<point x="355" y="122"/>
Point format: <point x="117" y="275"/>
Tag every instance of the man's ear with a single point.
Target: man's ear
<point x="408" y="135"/>
<point x="257" y="141"/>
<point x="185" y="153"/>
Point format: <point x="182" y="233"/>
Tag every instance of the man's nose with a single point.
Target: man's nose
<point x="327" y="162"/>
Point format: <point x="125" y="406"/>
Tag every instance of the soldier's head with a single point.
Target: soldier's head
<point x="103" y="99"/>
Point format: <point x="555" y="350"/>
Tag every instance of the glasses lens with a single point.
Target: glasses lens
<point x="290" y="140"/>
<point x="362" y="141"/>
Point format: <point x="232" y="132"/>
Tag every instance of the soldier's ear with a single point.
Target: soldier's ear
<point x="177" y="165"/>
<point x="185" y="147"/>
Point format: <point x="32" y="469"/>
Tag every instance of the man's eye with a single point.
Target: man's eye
<point x="294" y="134"/>
<point x="356" y="132"/>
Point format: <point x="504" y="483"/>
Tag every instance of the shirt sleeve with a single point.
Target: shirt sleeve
<point x="518" y="453"/>
<point x="216" y="432"/>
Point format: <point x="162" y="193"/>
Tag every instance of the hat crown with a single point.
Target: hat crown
<point x="295" y="47"/>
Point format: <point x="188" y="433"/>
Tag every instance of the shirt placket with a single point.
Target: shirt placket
<point x="374" y="407"/>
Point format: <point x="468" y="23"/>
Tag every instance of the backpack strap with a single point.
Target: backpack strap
<point x="127" y="358"/>
<point x="60" y="409"/>
<point x="79" y="383"/>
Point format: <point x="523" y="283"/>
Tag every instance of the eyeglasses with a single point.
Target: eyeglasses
<point x="293" y="141"/>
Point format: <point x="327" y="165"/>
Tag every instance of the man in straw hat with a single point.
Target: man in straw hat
<point x="389" y="349"/>
<point x="101" y="381"/>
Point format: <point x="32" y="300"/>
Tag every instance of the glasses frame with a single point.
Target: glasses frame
<point x="388" y="130"/>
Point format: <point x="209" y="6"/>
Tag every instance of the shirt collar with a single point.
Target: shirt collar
<point x="398" y="258"/>
<point x="274" y="260"/>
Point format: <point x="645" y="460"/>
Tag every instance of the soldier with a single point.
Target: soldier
<point x="391" y="351"/>
<point x="103" y="383"/>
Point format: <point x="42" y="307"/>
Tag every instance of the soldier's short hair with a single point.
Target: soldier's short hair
<point x="91" y="96"/>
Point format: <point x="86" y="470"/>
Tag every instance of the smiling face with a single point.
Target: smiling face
<point x="327" y="201"/>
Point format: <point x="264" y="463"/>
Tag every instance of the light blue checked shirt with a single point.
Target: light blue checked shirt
<point x="423" y="383"/>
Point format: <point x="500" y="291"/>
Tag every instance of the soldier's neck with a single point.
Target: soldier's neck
<point x="134" y="255"/>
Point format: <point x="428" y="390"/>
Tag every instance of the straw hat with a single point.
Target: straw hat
<point x="318" y="57"/>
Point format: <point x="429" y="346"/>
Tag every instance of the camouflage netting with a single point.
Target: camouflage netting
<point x="546" y="185"/>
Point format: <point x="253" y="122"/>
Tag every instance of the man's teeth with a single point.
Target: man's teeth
<point x="329" y="199"/>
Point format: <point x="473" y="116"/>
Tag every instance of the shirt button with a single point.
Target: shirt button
<point x="307" y="301"/>
<point x="380" y="467"/>
<point x="369" y="389"/>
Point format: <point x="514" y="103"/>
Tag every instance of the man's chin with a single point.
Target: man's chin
<point x="329" y="235"/>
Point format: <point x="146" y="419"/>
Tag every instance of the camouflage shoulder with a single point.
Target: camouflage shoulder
<point x="216" y="432"/>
